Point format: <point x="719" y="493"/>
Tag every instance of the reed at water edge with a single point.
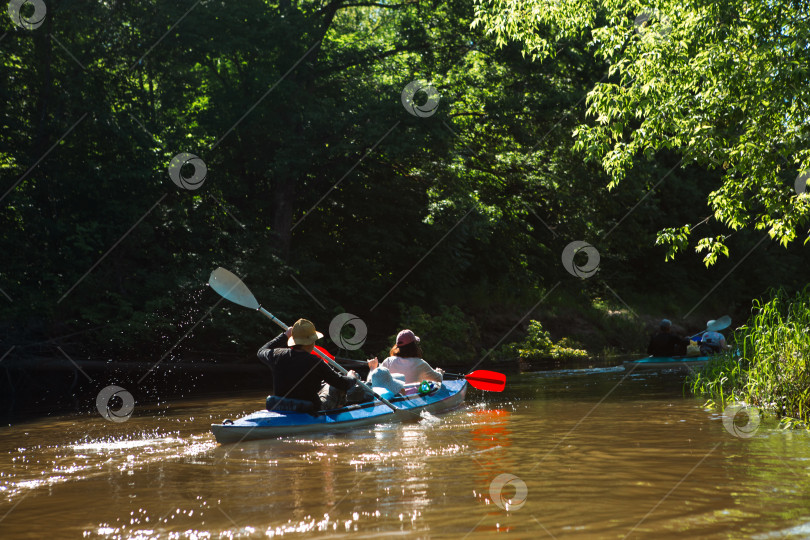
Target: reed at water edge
<point x="766" y="366"/>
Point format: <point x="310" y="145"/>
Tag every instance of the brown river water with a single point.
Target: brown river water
<point x="590" y="453"/>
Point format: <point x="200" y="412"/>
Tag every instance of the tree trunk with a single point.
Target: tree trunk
<point x="43" y="136"/>
<point x="283" y="199"/>
<point x="286" y="187"/>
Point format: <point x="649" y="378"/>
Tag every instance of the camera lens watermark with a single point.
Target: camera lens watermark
<point x="195" y="181"/>
<point x="513" y="502"/>
<point x="801" y="182"/>
<point x="581" y="271"/>
<point x="114" y="396"/>
<point x="429" y="107"/>
<point x="338" y="326"/>
<point x="741" y="420"/>
<point x="33" y="21"/>
<point x="643" y="20"/>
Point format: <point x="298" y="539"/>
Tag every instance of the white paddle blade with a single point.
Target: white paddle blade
<point x="720" y="324"/>
<point x="230" y="287"/>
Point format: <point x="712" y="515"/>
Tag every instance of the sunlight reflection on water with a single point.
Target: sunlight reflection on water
<point x="164" y="476"/>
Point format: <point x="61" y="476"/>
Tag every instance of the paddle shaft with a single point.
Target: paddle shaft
<point x="273" y="318"/>
<point x="352" y="361"/>
<point x="482" y="380"/>
<point x="693" y="338"/>
<point x="720" y="324"/>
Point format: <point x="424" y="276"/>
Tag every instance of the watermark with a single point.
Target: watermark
<point x="7" y="353"/>
<point x="801" y="182"/>
<point x="497" y="487"/>
<point x="645" y="18"/>
<point x="585" y="270"/>
<point x="32" y="21"/>
<point x="195" y="181"/>
<point x="339" y="325"/>
<point x="113" y="396"/>
<point x="642" y="18"/>
<point x="741" y="420"/>
<point x="426" y="109"/>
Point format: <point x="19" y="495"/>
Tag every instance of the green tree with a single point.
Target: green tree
<point x="722" y="83"/>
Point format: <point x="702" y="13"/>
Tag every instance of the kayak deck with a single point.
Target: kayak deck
<point x="666" y="362"/>
<point x="270" y="424"/>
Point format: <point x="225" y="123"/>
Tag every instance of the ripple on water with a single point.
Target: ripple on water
<point x="80" y="460"/>
<point x="600" y="454"/>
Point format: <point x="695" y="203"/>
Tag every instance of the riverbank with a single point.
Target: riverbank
<point x="767" y="367"/>
<point x="575" y="332"/>
<point x="45" y="386"/>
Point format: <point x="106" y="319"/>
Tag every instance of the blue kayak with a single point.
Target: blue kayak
<point x="271" y="424"/>
<point x="666" y="362"/>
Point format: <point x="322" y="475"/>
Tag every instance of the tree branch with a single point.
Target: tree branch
<point x="376" y="4"/>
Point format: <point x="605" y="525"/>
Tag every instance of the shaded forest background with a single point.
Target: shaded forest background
<point x="323" y="191"/>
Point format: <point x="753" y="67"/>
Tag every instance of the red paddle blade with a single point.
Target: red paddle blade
<point x="487" y="380"/>
<point x="324" y="351"/>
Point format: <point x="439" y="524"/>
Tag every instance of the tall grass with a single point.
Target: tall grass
<point x="768" y="367"/>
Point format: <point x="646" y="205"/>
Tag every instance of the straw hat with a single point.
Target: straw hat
<point x="382" y="378"/>
<point x="303" y="333"/>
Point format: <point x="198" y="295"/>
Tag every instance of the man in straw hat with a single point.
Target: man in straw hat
<point x="299" y="374"/>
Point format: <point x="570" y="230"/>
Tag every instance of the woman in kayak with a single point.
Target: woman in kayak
<point x="712" y="342"/>
<point x="298" y="374"/>
<point x="405" y="361"/>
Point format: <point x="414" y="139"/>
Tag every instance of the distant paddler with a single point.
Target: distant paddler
<point x="712" y="342"/>
<point x="665" y="343"/>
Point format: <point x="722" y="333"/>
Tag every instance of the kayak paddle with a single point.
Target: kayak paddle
<point x="324" y="351"/>
<point x="230" y="287"/>
<point x="715" y="326"/>
<point x="483" y="379"/>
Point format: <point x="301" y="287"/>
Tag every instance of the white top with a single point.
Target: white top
<point x="415" y="370"/>
<point x="714" y="338"/>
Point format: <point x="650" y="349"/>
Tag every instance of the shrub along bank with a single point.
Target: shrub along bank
<point x="767" y="364"/>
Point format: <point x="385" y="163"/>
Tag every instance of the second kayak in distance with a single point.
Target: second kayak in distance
<point x="666" y="362"/>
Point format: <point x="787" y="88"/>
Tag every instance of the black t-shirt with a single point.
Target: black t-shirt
<point x="667" y="344"/>
<point x="299" y="374"/>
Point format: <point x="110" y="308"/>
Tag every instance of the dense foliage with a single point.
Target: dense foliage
<point x="321" y="189"/>
<point x="722" y="83"/>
